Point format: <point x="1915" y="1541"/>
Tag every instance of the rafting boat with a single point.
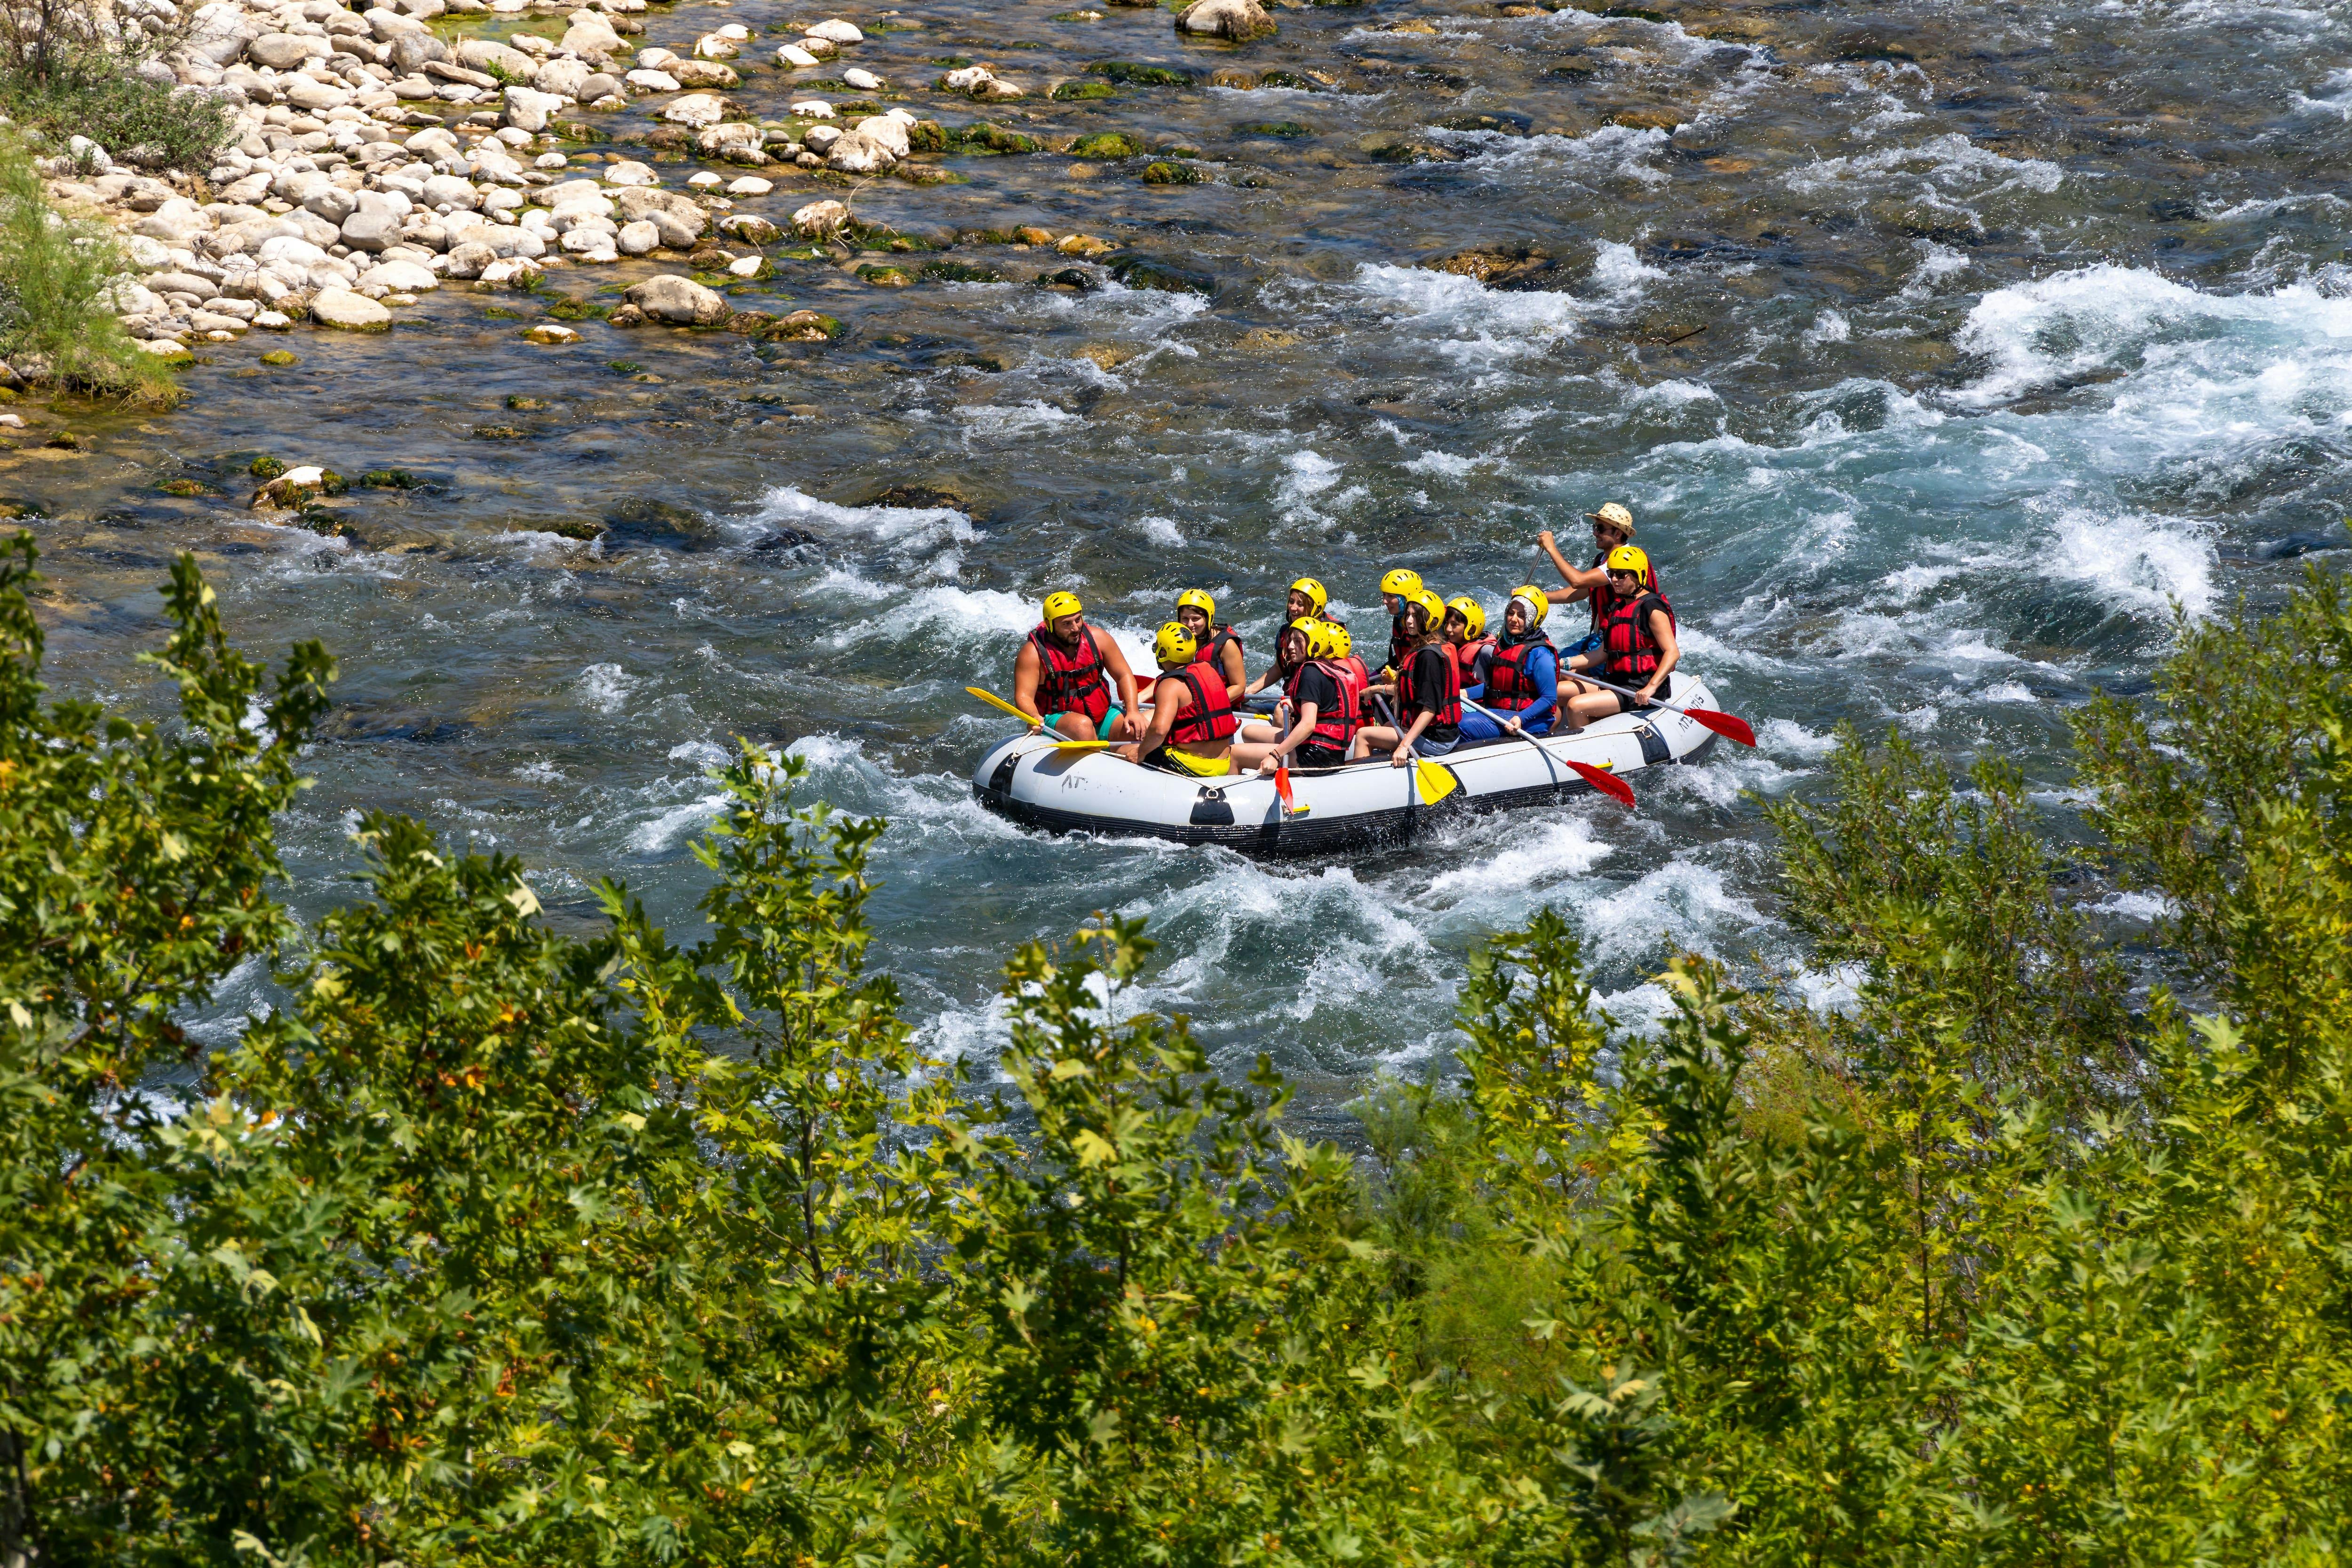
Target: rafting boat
<point x="1362" y="804"/>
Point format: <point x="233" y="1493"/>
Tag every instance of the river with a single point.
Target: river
<point x="1939" y="352"/>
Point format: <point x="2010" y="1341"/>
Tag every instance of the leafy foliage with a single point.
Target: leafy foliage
<point x="497" y="1246"/>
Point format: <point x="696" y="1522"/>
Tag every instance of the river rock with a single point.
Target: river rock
<point x="372" y="232"/>
<point x="791" y="57"/>
<point x="512" y="272"/>
<point x="286" y="51"/>
<point x="820" y="220"/>
<point x="353" y="312"/>
<point x="704" y="73"/>
<point x="819" y="139"/>
<point x="645" y="80"/>
<point x="304" y="92"/>
<point x="589" y="33"/>
<point x="631" y="175"/>
<point x="569" y="77"/>
<point x="412" y="52"/>
<point x="636" y="238"/>
<point x="466" y="260"/>
<point x="678" y="219"/>
<point x="295" y="486"/>
<point x="550" y="332"/>
<point x="858" y="153"/>
<point x="1238" y="21"/>
<point x="887" y="132"/>
<point x="749" y="227"/>
<point x="966" y="79"/>
<point x="183" y="283"/>
<point x="862" y="79"/>
<point x="601" y="92"/>
<point x="527" y="108"/>
<point x="679" y="300"/>
<point x="400" y="275"/>
<point x="450" y="190"/>
<point x="836" y="31"/>
<point x="482" y="55"/>
<point x="386" y="25"/>
<point x="697" y="110"/>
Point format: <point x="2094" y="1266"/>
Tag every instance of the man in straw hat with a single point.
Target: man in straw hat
<point x="1612" y="525"/>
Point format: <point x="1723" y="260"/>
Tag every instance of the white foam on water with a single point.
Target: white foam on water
<point x="1949" y="166"/>
<point x="1613" y="152"/>
<point x="1445" y="465"/>
<point x="605" y="687"/>
<point x="1674" y="394"/>
<point x="1683" y="903"/>
<point x="1160" y="530"/>
<point x="1017" y="422"/>
<point x="1787" y="737"/>
<point x="672" y="826"/>
<point x="1829" y="326"/>
<point x="1550" y="852"/>
<point x="1470" y="323"/>
<point x="907" y="527"/>
<point x="1618" y="268"/>
<point x="2134" y="906"/>
<point x="2137" y="561"/>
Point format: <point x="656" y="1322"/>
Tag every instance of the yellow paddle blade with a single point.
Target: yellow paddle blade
<point x="992" y="699"/>
<point x="1435" y="782"/>
<point x="1082" y="745"/>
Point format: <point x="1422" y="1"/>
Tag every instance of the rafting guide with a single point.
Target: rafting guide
<point x="1319" y="753"/>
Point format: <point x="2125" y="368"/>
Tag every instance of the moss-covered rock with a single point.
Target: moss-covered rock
<point x="1165" y="172"/>
<point x="1134" y="75"/>
<point x="1107" y="144"/>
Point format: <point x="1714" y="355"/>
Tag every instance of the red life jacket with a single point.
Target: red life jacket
<point x="1335" y="729"/>
<point x="1508" y="684"/>
<point x="1465" y="659"/>
<point x="1209" y="717"/>
<point x="1070" y="681"/>
<point x="1604" y="597"/>
<point x="1363" y="672"/>
<point x="1206" y="653"/>
<point x="1632" y="649"/>
<point x="1447" y="703"/>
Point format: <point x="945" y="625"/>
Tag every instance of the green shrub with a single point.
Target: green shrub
<point x="55" y="312"/>
<point x="76" y="90"/>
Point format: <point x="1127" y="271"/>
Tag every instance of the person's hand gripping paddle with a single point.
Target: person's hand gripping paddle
<point x="994" y="701"/>
<point x="1600" y="778"/>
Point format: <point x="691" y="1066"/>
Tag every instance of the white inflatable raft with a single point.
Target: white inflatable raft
<point x="1364" y="803"/>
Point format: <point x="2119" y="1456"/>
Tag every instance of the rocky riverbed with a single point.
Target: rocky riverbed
<point x="1937" y="351"/>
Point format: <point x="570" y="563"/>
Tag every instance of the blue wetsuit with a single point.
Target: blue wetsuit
<point x="1542" y="668"/>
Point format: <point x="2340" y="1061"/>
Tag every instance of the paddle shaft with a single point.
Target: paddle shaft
<point x="1724" y="723"/>
<point x="1600" y="778"/>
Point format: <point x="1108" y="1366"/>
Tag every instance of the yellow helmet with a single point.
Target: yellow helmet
<point x="1319" y="640"/>
<point x="1343" y="644"/>
<point x="1305" y="626"/>
<point x="1533" y="598"/>
<point x="1060" y="604"/>
<point x="1401" y="580"/>
<point x="1175" y="645"/>
<point x="1316" y="598"/>
<point x="1432" y="609"/>
<point x="1629" y="558"/>
<point x="1197" y="599"/>
<point x="1473" y="615"/>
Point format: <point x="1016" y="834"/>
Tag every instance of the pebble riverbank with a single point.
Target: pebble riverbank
<point x="383" y="154"/>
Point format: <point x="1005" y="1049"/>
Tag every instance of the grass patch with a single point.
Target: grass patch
<point x="86" y="92"/>
<point x="54" y="278"/>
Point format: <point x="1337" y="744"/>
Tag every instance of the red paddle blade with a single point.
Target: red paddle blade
<point x="1282" y="784"/>
<point x="1600" y="778"/>
<point x="1729" y="725"/>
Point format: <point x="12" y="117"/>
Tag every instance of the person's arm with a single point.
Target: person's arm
<point x="1165" y="711"/>
<point x="1024" y="685"/>
<point x="1403" y="752"/>
<point x="1580" y="582"/>
<point x="1291" y="742"/>
<point x="1543" y="669"/>
<point x="1670" y="652"/>
<point x="1115" y="660"/>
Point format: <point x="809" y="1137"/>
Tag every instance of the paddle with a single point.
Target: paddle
<point x="1600" y="778"/>
<point x="1434" y="782"/>
<point x="992" y="699"/>
<point x="1731" y="726"/>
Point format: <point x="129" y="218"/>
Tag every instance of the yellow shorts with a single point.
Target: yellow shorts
<point x="1176" y="761"/>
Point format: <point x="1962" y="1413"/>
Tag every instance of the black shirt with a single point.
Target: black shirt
<point x="1317" y="687"/>
<point x="1433" y="676"/>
